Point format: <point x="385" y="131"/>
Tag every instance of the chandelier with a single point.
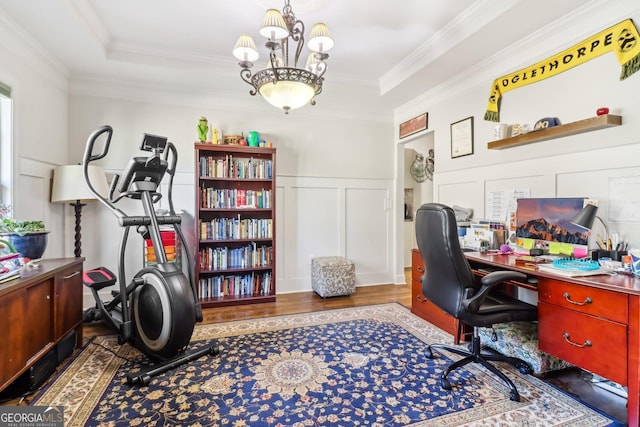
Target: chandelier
<point x="283" y="83"/>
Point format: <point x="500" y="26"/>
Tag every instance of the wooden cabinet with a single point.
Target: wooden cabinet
<point x="572" y="319"/>
<point x="40" y="308"/>
<point x="68" y="291"/>
<point x="424" y="308"/>
<point x="235" y="220"/>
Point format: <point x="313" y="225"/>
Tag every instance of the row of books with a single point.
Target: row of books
<point x="236" y="228"/>
<point x="224" y="198"/>
<point x="241" y="168"/>
<point x="223" y="258"/>
<point x="235" y="285"/>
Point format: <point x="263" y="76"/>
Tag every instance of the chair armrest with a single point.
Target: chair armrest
<point x="488" y="282"/>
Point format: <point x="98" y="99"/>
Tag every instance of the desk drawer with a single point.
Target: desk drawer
<point x="606" y="355"/>
<point x="596" y="302"/>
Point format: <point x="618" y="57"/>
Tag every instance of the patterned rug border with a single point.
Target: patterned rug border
<point x="99" y="367"/>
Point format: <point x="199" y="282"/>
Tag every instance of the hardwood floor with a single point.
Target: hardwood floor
<point x="574" y="382"/>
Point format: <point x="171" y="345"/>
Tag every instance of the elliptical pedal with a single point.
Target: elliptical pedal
<point x="98" y="278"/>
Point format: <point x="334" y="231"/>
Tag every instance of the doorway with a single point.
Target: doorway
<point x="416" y="186"/>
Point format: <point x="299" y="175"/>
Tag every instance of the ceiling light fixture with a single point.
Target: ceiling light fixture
<point x="282" y="82"/>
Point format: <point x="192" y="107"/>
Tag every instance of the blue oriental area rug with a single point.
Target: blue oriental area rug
<point x="360" y="366"/>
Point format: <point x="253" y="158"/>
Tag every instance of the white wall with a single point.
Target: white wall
<point x="579" y="165"/>
<point x="39" y="94"/>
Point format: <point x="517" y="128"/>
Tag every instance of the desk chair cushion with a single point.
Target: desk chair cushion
<point x="520" y="339"/>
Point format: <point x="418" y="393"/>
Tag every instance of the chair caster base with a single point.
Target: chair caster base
<point x="525" y="369"/>
<point x="514" y="396"/>
<point x="446" y="384"/>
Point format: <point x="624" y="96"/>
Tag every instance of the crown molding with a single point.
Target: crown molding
<point x="463" y="26"/>
<point x="197" y="97"/>
<point x="92" y="21"/>
<point x="566" y="31"/>
<point x="21" y="44"/>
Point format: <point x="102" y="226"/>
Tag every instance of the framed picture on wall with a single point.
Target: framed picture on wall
<point x="415" y="125"/>
<point x="462" y="138"/>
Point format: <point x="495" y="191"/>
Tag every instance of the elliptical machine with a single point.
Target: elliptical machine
<point x="157" y="309"/>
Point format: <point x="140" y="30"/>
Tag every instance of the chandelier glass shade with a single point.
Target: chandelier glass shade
<point x="283" y="83"/>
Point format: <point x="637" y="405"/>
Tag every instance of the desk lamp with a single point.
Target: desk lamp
<point x="69" y="186"/>
<point x="586" y="217"/>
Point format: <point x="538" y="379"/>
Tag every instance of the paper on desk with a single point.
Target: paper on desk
<point x="549" y="268"/>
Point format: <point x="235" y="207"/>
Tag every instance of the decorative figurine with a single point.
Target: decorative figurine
<point x="516" y="129"/>
<point x="203" y="129"/>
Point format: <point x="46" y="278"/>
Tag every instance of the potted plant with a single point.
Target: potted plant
<point x="29" y="238"/>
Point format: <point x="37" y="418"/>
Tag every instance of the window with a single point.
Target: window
<point x="6" y="153"/>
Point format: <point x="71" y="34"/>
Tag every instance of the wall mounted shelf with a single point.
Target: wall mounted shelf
<point x="573" y="128"/>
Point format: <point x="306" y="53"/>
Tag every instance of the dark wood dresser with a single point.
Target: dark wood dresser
<point x="38" y="310"/>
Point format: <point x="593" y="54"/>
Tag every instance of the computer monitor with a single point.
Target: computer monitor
<point x="549" y="220"/>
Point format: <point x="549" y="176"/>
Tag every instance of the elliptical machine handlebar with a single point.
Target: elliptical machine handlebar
<point x="173" y="160"/>
<point x="90" y="157"/>
<point x="88" y="152"/>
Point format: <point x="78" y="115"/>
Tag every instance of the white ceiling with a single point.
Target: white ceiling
<point x="390" y="50"/>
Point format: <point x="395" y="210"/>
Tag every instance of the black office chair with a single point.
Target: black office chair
<point x="448" y="282"/>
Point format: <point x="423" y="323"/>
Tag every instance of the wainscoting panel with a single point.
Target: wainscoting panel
<point x="330" y="216"/>
<point x="368" y="242"/>
<point x="465" y="193"/>
<point x="311" y="222"/>
<point x="314" y="217"/>
<point x="32" y="202"/>
<point x="581" y="174"/>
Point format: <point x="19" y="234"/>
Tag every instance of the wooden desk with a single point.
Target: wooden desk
<point x="38" y="310"/>
<point x="592" y="322"/>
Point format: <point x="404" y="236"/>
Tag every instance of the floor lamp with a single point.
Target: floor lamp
<point x="69" y="186"/>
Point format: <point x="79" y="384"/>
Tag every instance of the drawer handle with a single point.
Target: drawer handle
<point x="420" y="269"/>
<point x="587" y="343"/>
<point x="421" y="299"/>
<point x="71" y="275"/>
<point x="568" y="298"/>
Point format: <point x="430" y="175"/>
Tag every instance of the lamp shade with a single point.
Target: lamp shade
<point x="312" y="63"/>
<point x="273" y="26"/>
<point x="585" y="217"/>
<point x="69" y="184"/>
<point x="320" y="39"/>
<point x="245" y="49"/>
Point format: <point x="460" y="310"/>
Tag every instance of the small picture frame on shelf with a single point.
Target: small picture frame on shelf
<point x="462" y="138"/>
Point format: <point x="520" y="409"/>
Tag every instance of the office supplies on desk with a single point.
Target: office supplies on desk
<point x="576" y="264"/>
<point x="531" y="260"/>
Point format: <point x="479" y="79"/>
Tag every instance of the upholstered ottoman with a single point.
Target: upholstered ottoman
<point x="520" y="339"/>
<point x="332" y="276"/>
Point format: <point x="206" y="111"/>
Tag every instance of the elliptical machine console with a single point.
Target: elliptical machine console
<point x="156" y="310"/>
